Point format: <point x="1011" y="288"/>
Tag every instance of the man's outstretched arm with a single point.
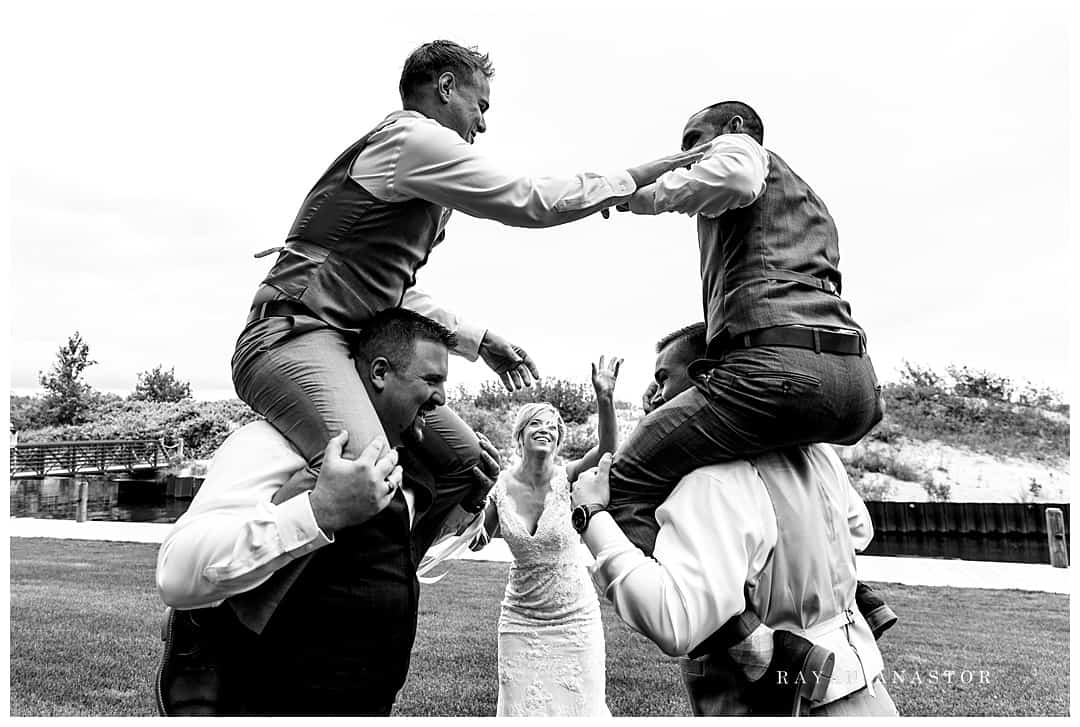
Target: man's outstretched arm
<point x="732" y="175"/>
<point x="415" y="157"/>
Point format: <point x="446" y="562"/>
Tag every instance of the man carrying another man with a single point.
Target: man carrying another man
<point x="797" y="573"/>
<point x="339" y="642"/>
<point x="785" y="363"/>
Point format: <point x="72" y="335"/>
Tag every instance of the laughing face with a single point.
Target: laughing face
<point x="540" y="431"/>
<point x="467" y="104"/>
<point x="411" y="391"/>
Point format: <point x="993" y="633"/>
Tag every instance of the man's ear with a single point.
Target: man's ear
<point x="734" y="125"/>
<point x="446" y="86"/>
<point x="378" y="371"/>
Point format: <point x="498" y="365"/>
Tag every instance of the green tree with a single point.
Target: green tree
<point x="160" y="385"/>
<point x="67" y="396"/>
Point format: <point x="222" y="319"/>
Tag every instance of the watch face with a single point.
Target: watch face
<point x="579" y="518"/>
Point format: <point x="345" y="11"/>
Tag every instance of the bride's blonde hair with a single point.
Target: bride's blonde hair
<point x="527" y="412"/>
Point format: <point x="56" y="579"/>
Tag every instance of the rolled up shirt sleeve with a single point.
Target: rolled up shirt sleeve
<point x="469" y="336"/>
<point x="670" y="598"/>
<point x="413" y="156"/>
<point x="232" y="538"/>
<point x="730" y="176"/>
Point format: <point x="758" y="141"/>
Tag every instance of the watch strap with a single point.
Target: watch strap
<point x="589" y="509"/>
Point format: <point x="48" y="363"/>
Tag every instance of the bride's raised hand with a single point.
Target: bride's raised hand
<point x="604" y="375"/>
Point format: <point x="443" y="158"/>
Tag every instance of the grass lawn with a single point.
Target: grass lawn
<point x="85" y="623"/>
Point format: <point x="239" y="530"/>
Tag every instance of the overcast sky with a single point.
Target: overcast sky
<point x="154" y="147"/>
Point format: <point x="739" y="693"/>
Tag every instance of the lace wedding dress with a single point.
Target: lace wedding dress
<point x="551" y="640"/>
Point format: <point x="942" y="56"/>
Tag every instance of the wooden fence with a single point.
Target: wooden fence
<point x="1004" y="532"/>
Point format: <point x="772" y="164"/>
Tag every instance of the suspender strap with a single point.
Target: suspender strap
<point x="808" y="280"/>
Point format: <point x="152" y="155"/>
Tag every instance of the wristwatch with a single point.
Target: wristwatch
<point x="582" y="514"/>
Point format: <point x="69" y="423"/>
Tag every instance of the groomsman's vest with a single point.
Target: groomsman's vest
<point x="772" y="263"/>
<point x="350" y="255"/>
<point x="808" y="585"/>
<point x="349" y="620"/>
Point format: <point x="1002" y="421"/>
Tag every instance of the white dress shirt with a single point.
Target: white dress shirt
<point x="411" y="156"/>
<point x="233" y="538"/>
<point x="469" y="336"/>
<point x="717" y="534"/>
<point x="730" y="175"/>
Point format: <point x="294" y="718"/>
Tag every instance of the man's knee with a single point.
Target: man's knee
<point x="449" y="447"/>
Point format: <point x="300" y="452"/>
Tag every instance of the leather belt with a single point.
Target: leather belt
<point x="814" y="339"/>
<point x="280" y="307"/>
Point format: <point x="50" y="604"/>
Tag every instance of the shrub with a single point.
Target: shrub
<point x="202" y="425"/>
<point x="979" y="383"/>
<point x="27" y="412"/>
<point x="870" y="489"/>
<point x="920" y="376"/>
<point x="937" y="491"/>
<point x="575" y="401"/>
<point x="580" y="438"/>
<point x="493" y="424"/>
<point x="887" y="432"/>
<point x="887" y="463"/>
<point x="982" y="424"/>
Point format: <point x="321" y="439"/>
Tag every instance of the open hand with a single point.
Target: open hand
<point x="515" y="368"/>
<point x="648" y="172"/>
<point x="604" y="375"/>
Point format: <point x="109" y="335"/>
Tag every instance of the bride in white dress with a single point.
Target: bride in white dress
<point x="551" y="641"/>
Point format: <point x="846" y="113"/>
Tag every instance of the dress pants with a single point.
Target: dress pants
<point x="298" y="373"/>
<point x="748" y="402"/>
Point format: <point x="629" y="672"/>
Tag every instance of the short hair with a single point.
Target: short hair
<point x="392" y="333"/>
<point x="528" y="411"/>
<point x="720" y="113"/>
<point x="693" y="336"/>
<point x="427" y="62"/>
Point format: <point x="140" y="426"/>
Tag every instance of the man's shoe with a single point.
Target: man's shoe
<point x="880" y="620"/>
<point x="799" y="672"/>
<point x="189" y="679"/>
<point x="878" y="615"/>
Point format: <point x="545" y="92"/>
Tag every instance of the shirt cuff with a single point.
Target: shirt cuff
<point x="469" y="338"/>
<point x="644" y="201"/>
<point x="297" y="526"/>
<point x="622" y="183"/>
<point x="615" y="555"/>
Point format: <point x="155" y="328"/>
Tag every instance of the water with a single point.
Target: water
<point x="56" y="498"/>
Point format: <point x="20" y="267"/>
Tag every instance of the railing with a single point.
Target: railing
<point x="60" y="459"/>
